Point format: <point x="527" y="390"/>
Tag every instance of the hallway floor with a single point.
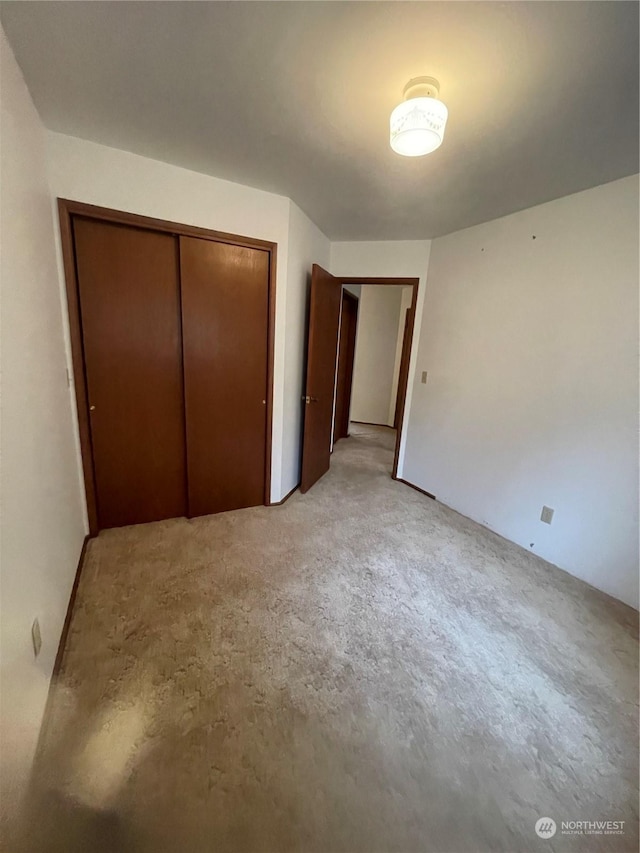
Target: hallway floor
<point x="360" y="669"/>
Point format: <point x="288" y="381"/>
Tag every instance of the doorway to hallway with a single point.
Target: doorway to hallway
<point x="373" y="345"/>
<point x="371" y="386"/>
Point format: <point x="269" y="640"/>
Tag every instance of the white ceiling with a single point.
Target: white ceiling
<point x="294" y="97"/>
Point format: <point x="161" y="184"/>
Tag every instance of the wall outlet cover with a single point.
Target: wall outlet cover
<point x="546" y="514"/>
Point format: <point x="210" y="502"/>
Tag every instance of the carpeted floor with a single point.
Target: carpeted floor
<point x="360" y="669"/>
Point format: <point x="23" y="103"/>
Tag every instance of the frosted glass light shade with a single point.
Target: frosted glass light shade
<point x="417" y="126"/>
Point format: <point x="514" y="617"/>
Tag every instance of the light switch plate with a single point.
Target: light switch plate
<point x="424" y="377"/>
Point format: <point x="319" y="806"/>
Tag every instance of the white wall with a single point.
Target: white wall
<point x="532" y="397"/>
<point x="375" y="354"/>
<point x="396" y="258"/>
<point x="88" y="172"/>
<point x="42" y="516"/>
<point x="306" y="245"/>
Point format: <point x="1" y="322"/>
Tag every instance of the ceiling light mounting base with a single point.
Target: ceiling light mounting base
<point x="421" y="87"/>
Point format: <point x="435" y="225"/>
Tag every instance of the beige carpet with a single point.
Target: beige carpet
<point x="360" y="669"/>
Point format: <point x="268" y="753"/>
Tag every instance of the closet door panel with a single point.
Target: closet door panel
<point x="128" y="281"/>
<point x="225" y="309"/>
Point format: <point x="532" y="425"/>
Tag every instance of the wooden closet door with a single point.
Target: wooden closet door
<point x="225" y="314"/>
<point x="130" y="312"/>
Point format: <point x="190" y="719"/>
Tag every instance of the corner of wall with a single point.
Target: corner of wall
<point x="43" y="528"/>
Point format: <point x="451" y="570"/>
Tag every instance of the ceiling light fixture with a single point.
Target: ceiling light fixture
<point x="417" y="124"/>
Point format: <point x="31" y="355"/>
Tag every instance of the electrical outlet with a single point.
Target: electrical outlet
<point x="424" y="377"/>
<point x="36" y="638"/>
<point x="546" y="515"/>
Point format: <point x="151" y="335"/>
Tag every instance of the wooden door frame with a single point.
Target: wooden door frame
<point x="403" y="349"/>
<point x="67" y="209"/>
<point x="406" y="361"/>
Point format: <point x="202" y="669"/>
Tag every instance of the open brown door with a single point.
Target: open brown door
<point x="324" y="319"/>
<point x="346" y="355"/>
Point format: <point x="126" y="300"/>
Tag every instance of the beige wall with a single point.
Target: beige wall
<point x="374" y="375"/>
<point x="41" y="497"/>
<point x="530" y="340"/>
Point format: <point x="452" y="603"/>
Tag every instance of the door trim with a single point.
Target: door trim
<point x="406" y="360"/>
<point x="67" y="210"/>
<point x="399" y="396"/>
